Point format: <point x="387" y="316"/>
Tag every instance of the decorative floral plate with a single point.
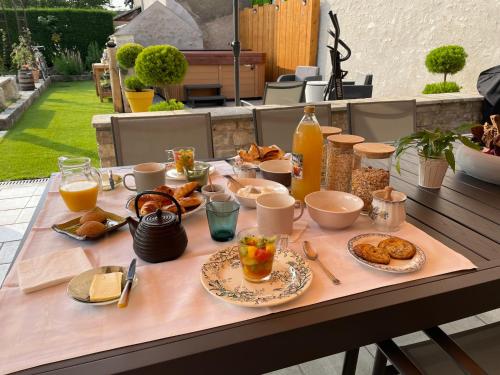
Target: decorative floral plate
<point x="396" y="265"/>
<point x="222" y="277"/>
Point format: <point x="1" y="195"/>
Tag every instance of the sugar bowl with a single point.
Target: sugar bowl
<point x="388" y="210"/>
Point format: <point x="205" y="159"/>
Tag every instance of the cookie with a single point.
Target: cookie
<point x="372" y="254"/>
<point x="398" y="248"/>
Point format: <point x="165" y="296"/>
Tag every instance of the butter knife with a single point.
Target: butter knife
<point x="123" y="302"/>
<point x="111" y="181"/>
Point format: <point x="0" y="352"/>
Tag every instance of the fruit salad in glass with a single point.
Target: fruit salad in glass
<point x="256" y="254"/>
<point x="183" y="157"/>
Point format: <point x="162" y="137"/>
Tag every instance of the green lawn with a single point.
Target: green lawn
<point x="58" y="123"/>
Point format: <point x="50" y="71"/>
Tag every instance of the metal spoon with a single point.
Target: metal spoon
<point x="312" y="254"/>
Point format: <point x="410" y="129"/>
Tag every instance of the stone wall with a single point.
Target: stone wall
<point x="232" y="127"/>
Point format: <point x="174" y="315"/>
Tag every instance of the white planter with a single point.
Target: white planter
<point x="479" y="165"/>
<point x="431" y="172"/>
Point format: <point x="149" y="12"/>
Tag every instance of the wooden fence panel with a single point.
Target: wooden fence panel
<point x="286" y="31"/>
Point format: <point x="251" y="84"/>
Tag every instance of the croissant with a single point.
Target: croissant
<point x="185" y="190"/>
<point x="189" y="202"/>
<point x="173" y="208"/>
<point x="148" y="207"/>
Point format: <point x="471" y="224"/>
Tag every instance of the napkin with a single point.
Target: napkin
<point x="51" y="269"/>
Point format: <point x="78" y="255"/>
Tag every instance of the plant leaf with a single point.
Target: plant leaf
<point x="466" y="141"/>
<point x="450" y="158"/>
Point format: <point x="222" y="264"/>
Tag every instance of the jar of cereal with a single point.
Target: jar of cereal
<point x="340" y="161"/>
<point x="371" y="170"/>
<point x="326" y="131"/>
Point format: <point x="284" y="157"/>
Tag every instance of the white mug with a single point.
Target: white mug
<point x="147" y="176"/>
<point x="275" y="213"/>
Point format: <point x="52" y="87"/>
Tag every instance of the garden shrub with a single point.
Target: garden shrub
<point x="127" y="54"/>
<point x="161" y="65"/>
<point x="94" y="54"/>
<point x="445" y="60"/>
<point x="77" y="28"/>
<point x="69" y="63"/>
<point x="170" y="105"/>
<point x="441" y="87"/>
<point x="133" y="83"/>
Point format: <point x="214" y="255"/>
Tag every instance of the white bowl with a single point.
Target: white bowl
<point x="479" y="165"/>
<point x="257" y="182"/>
<point x="333" y="209"/>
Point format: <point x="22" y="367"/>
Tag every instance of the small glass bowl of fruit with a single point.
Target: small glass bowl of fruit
<point x="256" y="254"/>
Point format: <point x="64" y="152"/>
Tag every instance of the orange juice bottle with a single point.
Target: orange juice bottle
<point x="307" y="155"/>
<point x="79" y="195"/>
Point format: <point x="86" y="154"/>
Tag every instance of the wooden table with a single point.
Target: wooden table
<point x="98" y="70"/>
<point x="464" y="214"/>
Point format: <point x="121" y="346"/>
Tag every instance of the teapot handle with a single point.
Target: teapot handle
<point x="136" y="203"/>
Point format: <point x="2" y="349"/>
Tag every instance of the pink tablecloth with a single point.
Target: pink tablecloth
<point x="48" y="326"/>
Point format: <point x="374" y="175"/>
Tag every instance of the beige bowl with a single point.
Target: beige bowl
<point x="277" y="170"/>
<point x="256" y="182"/>
<point x="333" y="209"/>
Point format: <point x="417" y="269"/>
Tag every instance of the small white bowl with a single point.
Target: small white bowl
<point x="217" y="189"/>
<point x="333" y="209"/>
<point x="257" y="182"/>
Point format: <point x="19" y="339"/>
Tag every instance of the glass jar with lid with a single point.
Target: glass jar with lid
<point x="371" y="170"/>
<point x="340" y="161"/>
<point x="326" y="131"/>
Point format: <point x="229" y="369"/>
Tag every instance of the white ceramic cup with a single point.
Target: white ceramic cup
<point x="275" y="213"/>
<point x="147" y="176"/>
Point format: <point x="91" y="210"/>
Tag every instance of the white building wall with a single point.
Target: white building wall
<point x="390" y="38"/>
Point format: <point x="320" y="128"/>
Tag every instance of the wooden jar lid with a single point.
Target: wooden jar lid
<point x="330" y="130"/>
<point x="375" y="150"/>
<point x="345" y="140"/>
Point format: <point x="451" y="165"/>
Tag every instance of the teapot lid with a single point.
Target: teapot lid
<point x="160" y="218"/>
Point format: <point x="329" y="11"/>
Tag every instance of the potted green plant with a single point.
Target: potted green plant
<point x="138" y="95"/>
<point x="435" y="151"/>
<point x="169" y="105"/>
<point x="23" y="58"/>
<point x="127" y="54"/>
<point x="160" y="66"/>
<point x="445" y="60"/>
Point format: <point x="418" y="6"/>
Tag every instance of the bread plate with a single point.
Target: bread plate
<point x="189" y="212"/>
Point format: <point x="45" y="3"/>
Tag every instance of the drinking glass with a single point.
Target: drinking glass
<point x="181" y="157"/>
<point x="198" y="172"/>
<point x="222" y="218"/>
<point x="256" y="254"/>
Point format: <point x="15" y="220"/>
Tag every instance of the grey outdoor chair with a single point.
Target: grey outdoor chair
<point x="277" y="125"/>
<point x="284" y="93"/>
<point x="302" y="73"/>
<point x="382" y="121"/>
<point x="361" y="88"/>
<point x="145" y="139"/>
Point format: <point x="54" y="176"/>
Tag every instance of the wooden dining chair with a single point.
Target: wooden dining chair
<point x="145" y="138"/>
<point x="275" y="126"/>
<point x="384" y="121"/>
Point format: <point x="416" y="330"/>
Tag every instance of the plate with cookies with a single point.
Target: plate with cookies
<point x="189" y="199"/>
<point x="386" y="253"/>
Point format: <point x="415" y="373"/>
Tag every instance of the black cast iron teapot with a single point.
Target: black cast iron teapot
<point x="158" y="236"/>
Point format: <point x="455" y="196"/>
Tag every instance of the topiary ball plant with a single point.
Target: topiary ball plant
<point x="127" y="54"/>
<point x="441" y="87"/>
<point x="446" y="60"/>
<point x="170" y="105"/>
<point x="133" y="83"/>
<point x="161" y="65"/>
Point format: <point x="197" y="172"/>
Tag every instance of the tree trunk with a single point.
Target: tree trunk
<point x="445" y="74"/>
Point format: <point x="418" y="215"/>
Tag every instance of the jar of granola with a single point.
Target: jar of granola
<point x="371" y="170"/>
<point x="326" y="131"/>
<point x="340" y="161"/>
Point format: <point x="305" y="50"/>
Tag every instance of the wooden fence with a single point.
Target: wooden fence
<point x="287" y="31"/>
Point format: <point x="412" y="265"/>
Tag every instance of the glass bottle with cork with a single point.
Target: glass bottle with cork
<point x="307" y="155"/>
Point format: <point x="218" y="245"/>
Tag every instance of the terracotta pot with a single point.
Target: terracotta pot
<point x="431" y="172"/>
<point x="36" y="75"/>
<point x="140" y="101"/>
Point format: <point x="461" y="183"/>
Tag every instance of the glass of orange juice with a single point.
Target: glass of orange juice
<point x="80" y="183"/>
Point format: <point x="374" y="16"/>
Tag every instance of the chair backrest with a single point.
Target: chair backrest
<point x="382" y="121"/>
<point x="363" y="79"/>
<point x="277" y="125"/>
<point x="144" y="139"/>
<point x="302" y="72"/>
<point x="283" y="93"/>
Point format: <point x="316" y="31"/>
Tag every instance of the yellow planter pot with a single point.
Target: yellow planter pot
<point x="140" y="101"/>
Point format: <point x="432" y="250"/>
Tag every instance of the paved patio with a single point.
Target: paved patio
<point x="18" y="201"/>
